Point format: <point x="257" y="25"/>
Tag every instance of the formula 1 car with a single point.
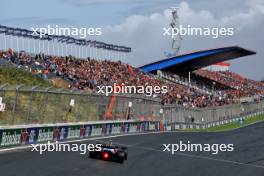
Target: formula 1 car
<point x="110" y="152"/>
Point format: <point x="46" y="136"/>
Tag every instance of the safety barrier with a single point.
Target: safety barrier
<point x="31" y="134"/>
<point x="183" y="126"/>
<point x="31" y="105"/>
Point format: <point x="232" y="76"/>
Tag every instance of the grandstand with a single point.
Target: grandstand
<point x="188" y="69"/>
<point x="206" y="88"/>
<point x="196" y="60"/>
<point x="188" y="84"/>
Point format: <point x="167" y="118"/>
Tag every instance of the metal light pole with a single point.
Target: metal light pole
<point x="176" y="39"/>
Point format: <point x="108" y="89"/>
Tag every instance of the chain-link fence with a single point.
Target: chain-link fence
<point x="205" y="115"/>
<point x="36" y="105"/>
<point x="31" y="105"/>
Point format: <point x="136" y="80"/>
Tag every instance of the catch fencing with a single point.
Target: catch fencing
<point x="38" y="105"/>
<point x="174" y="114"/>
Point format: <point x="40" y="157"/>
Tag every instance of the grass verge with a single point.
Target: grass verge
<point x="232" y="125"/>
<point x="14" y="76"/>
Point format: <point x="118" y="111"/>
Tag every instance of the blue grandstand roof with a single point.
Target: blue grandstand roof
<point x="197" y="60"/>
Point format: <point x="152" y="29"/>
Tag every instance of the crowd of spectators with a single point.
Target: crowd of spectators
<point x="90" y="73"/>
<point x="239" y="85"/>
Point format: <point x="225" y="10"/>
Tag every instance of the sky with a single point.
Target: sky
<point x="139" y="24"/>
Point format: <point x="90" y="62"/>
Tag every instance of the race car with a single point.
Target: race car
<point x="110" y="152"/>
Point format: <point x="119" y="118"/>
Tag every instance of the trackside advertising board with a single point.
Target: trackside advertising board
<point x="10" y="137"/>
<point x="32" y="135"/>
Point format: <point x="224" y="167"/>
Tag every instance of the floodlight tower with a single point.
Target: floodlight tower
<point x="175" y="25"/>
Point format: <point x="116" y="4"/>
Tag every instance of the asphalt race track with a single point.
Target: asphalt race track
<point x="145" y="157"/>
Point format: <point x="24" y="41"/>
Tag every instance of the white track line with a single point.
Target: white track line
<point x="85" y="139"/>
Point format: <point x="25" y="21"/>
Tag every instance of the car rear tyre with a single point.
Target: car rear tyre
<point x="120" y="157"/>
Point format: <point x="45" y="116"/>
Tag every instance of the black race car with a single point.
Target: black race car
<point x="110" y="152"/>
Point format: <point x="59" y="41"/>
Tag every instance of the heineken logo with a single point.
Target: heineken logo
<point x="45" y="135"/>
<point x="73" y="133"/>
<point x="96" y="131"/>
<point x="116" y="129"/>
<point x="133" y="128"/>
<point x="10" y="139"/>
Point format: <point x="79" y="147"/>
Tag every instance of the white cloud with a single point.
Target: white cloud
<point x="92" y="2"/>
<point x="144" y="34"/>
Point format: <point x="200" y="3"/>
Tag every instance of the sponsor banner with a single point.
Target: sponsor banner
<point x="60" y="133"/>
<point x="73" y="132"/>
<point x="152" y="127"/>
<point x="133" y="127"/>
<point x="104" y="130"/>
<point x="142" y="127"/>
<point x="146" y="126"/>
<point x="168" y="127"/>
<point x="87" y="131"/>
<point x="10" y="137"/>
<point x="157" y="126"/>
<point x="25" y="136"/>
<point x="29" y="135"/>
<point x="176" y="126"/>
<point x="45" y="134"/>
<point x="126" y="128"/>
<point x="108" y="129"/>
<point x="116" y="128"/>
<point x="97" y="130"/>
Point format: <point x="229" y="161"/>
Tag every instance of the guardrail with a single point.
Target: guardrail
<point x="210" y="114"/>
<point x="32" y="134"/>
<point x="183" y="126"/>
